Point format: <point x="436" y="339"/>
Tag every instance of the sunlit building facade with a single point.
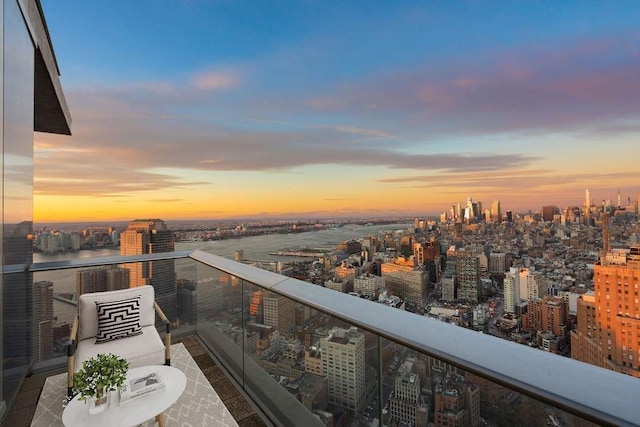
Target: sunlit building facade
<point x="150" y="236"/>
<point x="608" y="322"/>
<point x="406" y="281"/>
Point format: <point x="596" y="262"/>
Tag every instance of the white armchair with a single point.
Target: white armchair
<point x="120" y="322"/>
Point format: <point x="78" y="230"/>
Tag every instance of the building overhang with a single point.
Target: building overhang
<point x="51" y="113"/>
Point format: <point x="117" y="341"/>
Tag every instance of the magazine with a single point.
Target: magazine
<point x="136" y="387"/>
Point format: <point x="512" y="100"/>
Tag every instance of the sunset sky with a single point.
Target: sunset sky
<point x="222" y="109"/>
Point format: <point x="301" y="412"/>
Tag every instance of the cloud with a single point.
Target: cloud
<point x="166" y="200"/>
<point x="123" y="134"/>
<point x="525" y="187"/>
<point x="111" y="130"/>
<point x="214" y="80"/>
<point x="553" y="88"/>
<point x="361" y="131"/>
<point x="90" y="175"/>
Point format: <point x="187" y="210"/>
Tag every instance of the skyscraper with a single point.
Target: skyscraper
<point x="150" y="236"/>
<point x="409" y="405"/>
<point x="469" y="212"/>
<point x="101" y="279"/>
<point x="587" y="199"/>
<point x="468" y="276"/>
<point x="587" y="208"/>
<point x="42" y="320"/>
<point x="279" y="312"/>
<point x="343" y="363"/>
<point x="548" y="212"/>
<point x="496" y="211"/>
<point x="511" y="290"/>
<point x="608" y="326"/>
<point x="532" y="284"/>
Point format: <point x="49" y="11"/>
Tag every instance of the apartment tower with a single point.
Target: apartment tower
<point x="151" y="236"/>
<point x="343" y="363"/>
<point x="468" y="276"/>
<point x="609" y="320"/>
<point x="279" y="312"/>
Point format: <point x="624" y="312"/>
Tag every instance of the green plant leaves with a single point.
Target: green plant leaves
<point x="106" y="371"/>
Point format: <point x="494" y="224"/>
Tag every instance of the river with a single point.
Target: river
<point x="256" y="248"/>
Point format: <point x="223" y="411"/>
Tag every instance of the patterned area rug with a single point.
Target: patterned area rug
<point x="199" y="405"/>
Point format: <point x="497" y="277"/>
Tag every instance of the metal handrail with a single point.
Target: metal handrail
<point x="95" y="261"/>
<point x="590" y="392"/>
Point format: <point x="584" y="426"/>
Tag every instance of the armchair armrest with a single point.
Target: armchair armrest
<point x="167" y="338"/>
<point x="71" y="349"/>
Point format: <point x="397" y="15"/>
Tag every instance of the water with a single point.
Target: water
<point x="256" y="248"/>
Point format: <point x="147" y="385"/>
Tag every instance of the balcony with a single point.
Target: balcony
<point x="307" y="355"/>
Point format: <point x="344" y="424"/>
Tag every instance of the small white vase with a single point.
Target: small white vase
<point x="98" y="405"/>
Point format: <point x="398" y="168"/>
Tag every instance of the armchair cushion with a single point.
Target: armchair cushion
<point x="139" y="350"/>
<point x="88" y="316"/>
<point x="118" y="319"/>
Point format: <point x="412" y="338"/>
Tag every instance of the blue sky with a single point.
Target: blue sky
<point x="316" y="108"/>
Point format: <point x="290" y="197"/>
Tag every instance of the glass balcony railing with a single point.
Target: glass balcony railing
<point x="307" y="355"/>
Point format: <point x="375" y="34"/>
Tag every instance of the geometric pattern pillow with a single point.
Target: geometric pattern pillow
<point x="118" y="319"/>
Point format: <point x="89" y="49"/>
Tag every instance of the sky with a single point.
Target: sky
<point x="315" y="109"/>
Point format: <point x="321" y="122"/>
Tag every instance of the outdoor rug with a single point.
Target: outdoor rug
<point x="199" y="405"/>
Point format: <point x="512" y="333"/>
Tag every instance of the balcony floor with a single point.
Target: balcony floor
<point x="24" y="407"/>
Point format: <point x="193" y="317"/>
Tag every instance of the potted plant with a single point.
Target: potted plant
<point x="99" y="376"/>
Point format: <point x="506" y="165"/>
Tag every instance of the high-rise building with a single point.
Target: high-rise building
<point x="497" y="262"/>
<point x="548" y="212"/>
<point x="150" y="236"/>
<point x="584" y="339"/>
<point x="406" y="281"/>
<point x="532" y="284"/>
<point x="408" y="405"/>
<point x="470" y="211"/>
<point x="511" y="290"/>
<point x="42" y="320"/>
<point x="448" y="284"/>
<point x="587" y="207"/>
<point x="117" y="278"/>
<point x="608" y="326"/>
<point x="456" y="405"/>
<point x="343" y="363"/>
<point x="347" y="272"/>
<point x="587" y="199"/>
<point x="101" y="279"/>
<point x="339" y="285"/>
<point x="428" y="254"/>
<point x="279" y="312"/>
<point x="509" y="216"/>
<point x="368" y="284"/>
<point x="187" y="301"/>
<point x="468" y="276"/>
<point x="496" y="211"/>
<point x="548" y="314"/>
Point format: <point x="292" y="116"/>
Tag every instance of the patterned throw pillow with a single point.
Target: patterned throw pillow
<point x="118" y="319"/>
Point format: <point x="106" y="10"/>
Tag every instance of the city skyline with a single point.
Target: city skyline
<point x="226" y="110"/>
